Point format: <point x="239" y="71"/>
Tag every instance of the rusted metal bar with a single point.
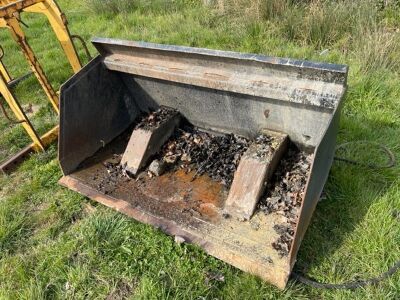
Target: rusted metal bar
<point x="17" y="80"/>
<point x="8" y="10"/>
<point x="12" y="163"/>
<point x="84" y="45"/>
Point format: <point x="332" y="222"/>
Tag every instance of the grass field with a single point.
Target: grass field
<point x="56" y="244"/>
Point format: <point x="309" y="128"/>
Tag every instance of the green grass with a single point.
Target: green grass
<point x="55" y="243"/>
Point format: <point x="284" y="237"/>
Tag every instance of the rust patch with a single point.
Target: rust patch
<point x="173" y="195"/>
<point x="232" y="241"/>
<point x="203" y="197"/>
<point x="192" y="209"/>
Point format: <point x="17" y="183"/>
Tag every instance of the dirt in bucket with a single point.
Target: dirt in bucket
<point x="285" y="194"/>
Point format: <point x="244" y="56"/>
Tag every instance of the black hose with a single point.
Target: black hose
<point x="15" y="81"/>
<point x="390" y="163"/>
<point x="351" y="285"/>
<point x="85" y="48"/>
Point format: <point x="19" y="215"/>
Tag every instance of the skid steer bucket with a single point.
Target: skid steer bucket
<point x="255" y="221"/>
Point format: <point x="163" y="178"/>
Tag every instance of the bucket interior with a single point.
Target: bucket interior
<point x="218" y="93"/>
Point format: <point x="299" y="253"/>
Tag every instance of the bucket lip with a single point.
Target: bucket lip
<point x="101" y="45"/>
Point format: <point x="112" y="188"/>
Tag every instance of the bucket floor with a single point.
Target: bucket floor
<point x="191" y="209"/>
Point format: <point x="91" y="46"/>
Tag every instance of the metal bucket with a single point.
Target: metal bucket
<point x="222" y="91"/>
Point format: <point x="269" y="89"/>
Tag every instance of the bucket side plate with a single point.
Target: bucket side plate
<point x="95" y="108"/>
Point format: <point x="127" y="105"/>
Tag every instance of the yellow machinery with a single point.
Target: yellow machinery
<point x="10" y="19"/>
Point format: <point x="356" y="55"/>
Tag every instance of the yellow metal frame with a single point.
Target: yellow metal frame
<point x="19" y="113"/>
<point x="10" y="19"/>
<point x="4" y="72"/>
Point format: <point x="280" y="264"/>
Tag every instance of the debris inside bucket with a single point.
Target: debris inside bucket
<point x="148" y="137"/>
<point x="284" y="195"/>
<point x="156" y="118"/>
<point x="216" y="155"/>
<point x="255" y="170"/>
<point x="115" y="172"/>
<point x="264" y="145"/>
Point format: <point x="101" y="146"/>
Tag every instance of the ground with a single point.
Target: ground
<point x="55" y="243"/>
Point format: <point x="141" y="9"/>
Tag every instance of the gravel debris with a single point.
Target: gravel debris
<point x="202" y="152"/>
<point x="254" y="225"/>
<point x="114" y="172"/>
<point x="263" y="144"/>
<point x="154" y="119"/>
<point x="218" y="156"/>
<point x="157" y="167"/>
<point x="284" y="195"/>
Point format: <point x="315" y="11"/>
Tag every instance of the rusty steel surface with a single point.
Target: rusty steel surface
<point x="290" y="80"/>
<point x="221" y="91"/>
<point x="13" y="162"/>
<point x="10" y="8"/>
<point x="9" y="165"/>
<point x="191" y="209"/>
